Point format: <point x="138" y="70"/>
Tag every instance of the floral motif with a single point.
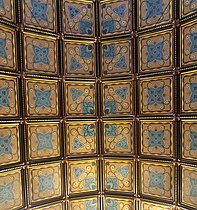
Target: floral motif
<point x="88" y="130"/>
<point x="83" y="176"/>
<point x="3" y="48"/>
<point x="42" y="98"/>
<point x="90" y="183"/>
<point x="156" y="138"/>
<point x="6" y="192"/>
<point x="117" y="99"/>
<point x="124" y="171"/>
<point x="193" y="191"/>
<point x="189" y="42"/>
<point x="79" y="18"/>
<point x="4" y="97"/>
<point x="112" y="204"/>
<point x="81" y="99"/>
<point x="193" y="96"/>
<point x="46" y="183"/>
<point x="112" y="183"/>
<point x="116" y="57"/>
<point x="154" y="8"/>
<point x="156" y="95"/>
<point x="75" y="93"/>
<point x="156" y="180"/>
<point x="41" y="55"/>
<point x="79" y="58"/>
<point x="7" y="47"/>
<point x="81" y="138"/>
<point x="45" y="141"/>
<point x="5" y="145"/>
<point x="88" y="107"/>
<point x="40" y="13"/>
<point x="39" y="10"/>
<point x="123" y="143"/>
<point x="91" y="204"/>
<point x="8" y="97"/>
<point x="154" y="12"/>
<point x="155" y="52"/>
<point x="118" y="176"/>
<point x="111" y="130"/>
<point x="115" y="17"/>
<point x="77" y="144"/>
<point x="6" y="9"/>
<point x="193" y="137"/>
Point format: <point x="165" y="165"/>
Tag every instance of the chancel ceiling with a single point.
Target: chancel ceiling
<point x="98" y="104"/>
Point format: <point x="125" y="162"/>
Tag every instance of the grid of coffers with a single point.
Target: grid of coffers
<point x="98" y="104"/>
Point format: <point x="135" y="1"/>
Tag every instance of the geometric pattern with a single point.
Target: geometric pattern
<point x="98" y="104"/>
<point x="156" y="52"/>
<point x="157" y="179"/>
<point x="189" y="186"/>
<point x="40" y="14"/>
<point x="115" y="17"/>
<point x="154" y="12"/>
<point x="45" y="181"/>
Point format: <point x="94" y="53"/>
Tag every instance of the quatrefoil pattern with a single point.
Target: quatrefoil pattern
<point x="157" y="180"/>
<point x="40" y="14"/>
<point x="154" y="12"/>
<point x="155" y="52"/>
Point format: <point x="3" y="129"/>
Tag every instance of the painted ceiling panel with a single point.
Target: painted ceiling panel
<point x="98" y="104"/>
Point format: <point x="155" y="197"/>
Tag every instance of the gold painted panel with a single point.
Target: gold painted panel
<point x="80" y="98"/>
<point x="40" y="14"/>
<point x="117" y="98"/>
<point x="116" y="58"/>
<point x="81" y="138"/>
<point x="42" y="97"/>
<point x="155" y="13"/>
<point x="9" y="96"/>
<point x="82" y="176"/>
<point x="45" y="181"/>
<point x="118" y="175"/>
<point x="118" y="203"/>
<point x="43" y="140"/>
<point x="11" y="189"/>
<point x="115" y="17"/>
<point x="84" y="204"/>
<point x="188" y="43"/>
<point x="189" y="183"/>
<point x="40" y="54"/>
<point x="8" y="48"/>
<point x="79" y="58"/>
<point x="145" y="205"/>
<point x="118" y="137"/>
<point x="189" y="136"/>
<point x="78" y="18"/>
<point x="189" y="94"/>
<point x="157" y="138"/>
<point x="157" y="179"/>
<point x="9" y="143"/>
<point x="156" y="51"/>
<point x="156" y="95"/>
